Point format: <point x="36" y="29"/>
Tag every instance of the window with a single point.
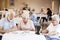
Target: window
<point x="11" y="2"/>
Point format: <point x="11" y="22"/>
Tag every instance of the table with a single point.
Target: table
<point x="23" y="35"/>
<point x="42" y="15"/>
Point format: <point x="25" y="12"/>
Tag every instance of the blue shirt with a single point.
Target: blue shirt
<point x="5" y="24"/>
<point x="34" y="17"/>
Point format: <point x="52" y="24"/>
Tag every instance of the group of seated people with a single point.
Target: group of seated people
<point x="28" y="21"/>
<point x="9" y="23"/>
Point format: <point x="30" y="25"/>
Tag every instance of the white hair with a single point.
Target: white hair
<point x="25" y="16"/>
<point x="56" y="17"/>
<point x="9" y="12"/>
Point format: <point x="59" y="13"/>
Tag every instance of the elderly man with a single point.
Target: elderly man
<point x="26" y="24"/>
<point x="53" y="29"/>
<point x="7" y="24"/>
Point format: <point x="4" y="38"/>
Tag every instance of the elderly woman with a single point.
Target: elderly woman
<point x="26" y="24"/>
<point x="53" y="29"/>
<point x="7" y="24"/>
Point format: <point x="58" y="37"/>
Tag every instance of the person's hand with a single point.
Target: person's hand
<point x="53" y="33"/>
<point x="45" y="31"/>
<point x="28" y="29"/>
<point x="24" y="28"/>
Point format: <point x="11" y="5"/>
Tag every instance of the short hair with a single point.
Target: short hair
<point x="9" y="12"/>
<point x="25" y="16"/>
<point x="56" y="17"/>
<point x="48" y="8"/>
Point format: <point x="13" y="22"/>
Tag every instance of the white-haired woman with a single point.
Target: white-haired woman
<point x="53" y="29"/>
<point x="26" y="24"/>
<point x="7" y="24"/>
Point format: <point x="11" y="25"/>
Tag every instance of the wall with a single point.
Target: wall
<point x="1" y="4"/>
<point x="56" y="6"/>
<point x="36" y="4"/>
<point x="59" y="7"/>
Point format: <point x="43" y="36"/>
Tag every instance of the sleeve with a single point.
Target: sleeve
<point x="2" y="22"/>
<point x="49" y="26"/>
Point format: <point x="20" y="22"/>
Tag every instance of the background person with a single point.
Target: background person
<point x="7" y="24"/>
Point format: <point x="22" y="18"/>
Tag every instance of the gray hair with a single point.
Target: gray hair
<point x="8" y="13"/>
<point x="56" y="17"/>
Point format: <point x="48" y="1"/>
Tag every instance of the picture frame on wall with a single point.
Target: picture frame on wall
<point x="11" y="2"/>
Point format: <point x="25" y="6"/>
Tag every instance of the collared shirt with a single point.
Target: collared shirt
<point x="5" y="24"/>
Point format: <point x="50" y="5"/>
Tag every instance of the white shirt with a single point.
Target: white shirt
<point x="51" y="28"/>
<point x="54" y="29"/>
<point x="28" y="25"/>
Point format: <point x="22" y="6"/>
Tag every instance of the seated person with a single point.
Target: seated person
<point x="44" y="16"/>
<point x="35" y="20"/>
<point x="37" y="25"/>
<point x="33" y="15"/>
<point x="7" y="24"/>
<point x="26" y="24"/>
<point x="52" y="30"/>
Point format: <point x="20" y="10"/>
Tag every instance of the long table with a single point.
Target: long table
<point x="22" y="35"/>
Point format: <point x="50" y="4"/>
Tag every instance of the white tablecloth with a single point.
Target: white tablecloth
<point x="23" y="35"/>
<point x="42" y="15"/>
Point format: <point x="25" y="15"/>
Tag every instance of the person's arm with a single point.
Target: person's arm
<point x="14" y="28"/>
<point x="53" y="33"/>
<point x="2" y="31"/>
<point x="45" y="31"/>
<point x="8" y="30"/>
<point x="19" y="26"/>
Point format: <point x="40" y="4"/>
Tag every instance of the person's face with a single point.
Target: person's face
<point x="54" y="21"/>
<point x="10" y="16"/>
<point x="41" y="10"/>
<point x="25" y="20"/>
